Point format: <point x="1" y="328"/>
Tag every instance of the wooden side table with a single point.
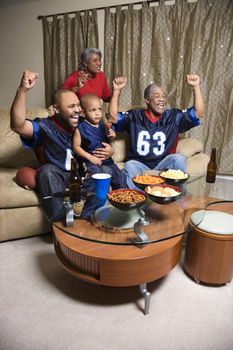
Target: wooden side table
<point x="209" y="255"/>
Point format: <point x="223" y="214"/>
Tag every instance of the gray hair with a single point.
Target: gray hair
<point x="149" y="88"/>
<point x="85" y="56"/>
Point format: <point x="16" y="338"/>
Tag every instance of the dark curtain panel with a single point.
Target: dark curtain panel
<point x="165" y="42"/>
<point x="64" y="39"/>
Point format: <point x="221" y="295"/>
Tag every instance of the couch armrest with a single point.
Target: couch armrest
<point x="13" y="154"/>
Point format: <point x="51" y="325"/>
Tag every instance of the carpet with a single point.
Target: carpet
<point x="43" y="307"/>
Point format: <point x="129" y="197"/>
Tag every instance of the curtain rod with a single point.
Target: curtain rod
<point x="98" y="8"/>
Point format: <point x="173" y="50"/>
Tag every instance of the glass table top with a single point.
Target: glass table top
<point x="221" y="189"/>
<point x="103" y="223"/>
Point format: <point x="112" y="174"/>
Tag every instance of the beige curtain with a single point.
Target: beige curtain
<point x="64" y="39"/>
<point x="163" y="43"/>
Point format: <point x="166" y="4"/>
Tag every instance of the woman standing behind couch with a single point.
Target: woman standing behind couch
<point x="88" y="79"/>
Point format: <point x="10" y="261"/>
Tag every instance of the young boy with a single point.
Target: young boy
<point x="90" y="134"/>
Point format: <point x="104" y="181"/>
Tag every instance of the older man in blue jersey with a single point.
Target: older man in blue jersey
<point x="51" y="139"/>
<point x="154" y="132"/>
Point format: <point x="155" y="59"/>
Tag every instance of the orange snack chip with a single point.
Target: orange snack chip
<point x="148" y="179"/>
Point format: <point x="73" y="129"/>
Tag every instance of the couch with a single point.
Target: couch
<point x="20" y="214"/>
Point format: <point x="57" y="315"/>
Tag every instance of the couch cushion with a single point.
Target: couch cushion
<point x="22" y="222"/>
<point x="197" y="164"/>
<point x="121" y="165"/>
<point x="120" y="147"/>
<point x="13" y="154"/>
<point x="11" y="194"/>
<point x="189" y="146"/>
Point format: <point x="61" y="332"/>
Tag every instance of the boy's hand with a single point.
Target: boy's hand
<point x="28" y="80"/>
<point x="111" y="133"/>
<point x="119" y="82"/>
<point x="193" y="79"/>
<point x="108" y="126"/>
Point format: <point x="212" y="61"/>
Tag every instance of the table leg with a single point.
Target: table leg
<point x="146" y="294"/>
<point x="69" y="214"/>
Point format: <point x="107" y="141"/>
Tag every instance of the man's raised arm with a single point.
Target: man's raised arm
<point x="18" y="109"/>
<point x="118" y="84"/>
<point x="194" y="81"/>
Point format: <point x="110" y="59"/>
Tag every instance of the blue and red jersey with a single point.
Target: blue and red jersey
<point x="151" y="141"/>
<point x="51" y="143"/>
<point x="92" y="138"/>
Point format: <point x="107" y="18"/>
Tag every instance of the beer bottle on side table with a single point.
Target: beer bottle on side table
<point x="75" y="183"/>
<point x="211" y="167"/>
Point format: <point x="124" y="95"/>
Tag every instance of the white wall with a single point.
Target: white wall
<point x="21" y="41"/>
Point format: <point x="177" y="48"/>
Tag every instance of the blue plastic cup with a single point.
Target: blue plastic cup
<point x="101" y="183"/>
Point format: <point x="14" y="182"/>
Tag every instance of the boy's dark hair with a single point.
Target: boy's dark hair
<point x="85" y="98"/>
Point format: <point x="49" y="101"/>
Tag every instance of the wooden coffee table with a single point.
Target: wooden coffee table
<point x="114" y="259"/>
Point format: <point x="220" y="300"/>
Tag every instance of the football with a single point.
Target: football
<point x="26" y="177"/>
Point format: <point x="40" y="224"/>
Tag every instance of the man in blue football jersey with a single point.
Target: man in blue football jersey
<point x="51" y="139"/>
<point x="154" y="132"/>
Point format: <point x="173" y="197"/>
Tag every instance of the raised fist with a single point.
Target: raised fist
<point x="119" y="83"/>
<point x="193" y="79"/>
<point x="29" y="79"/>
